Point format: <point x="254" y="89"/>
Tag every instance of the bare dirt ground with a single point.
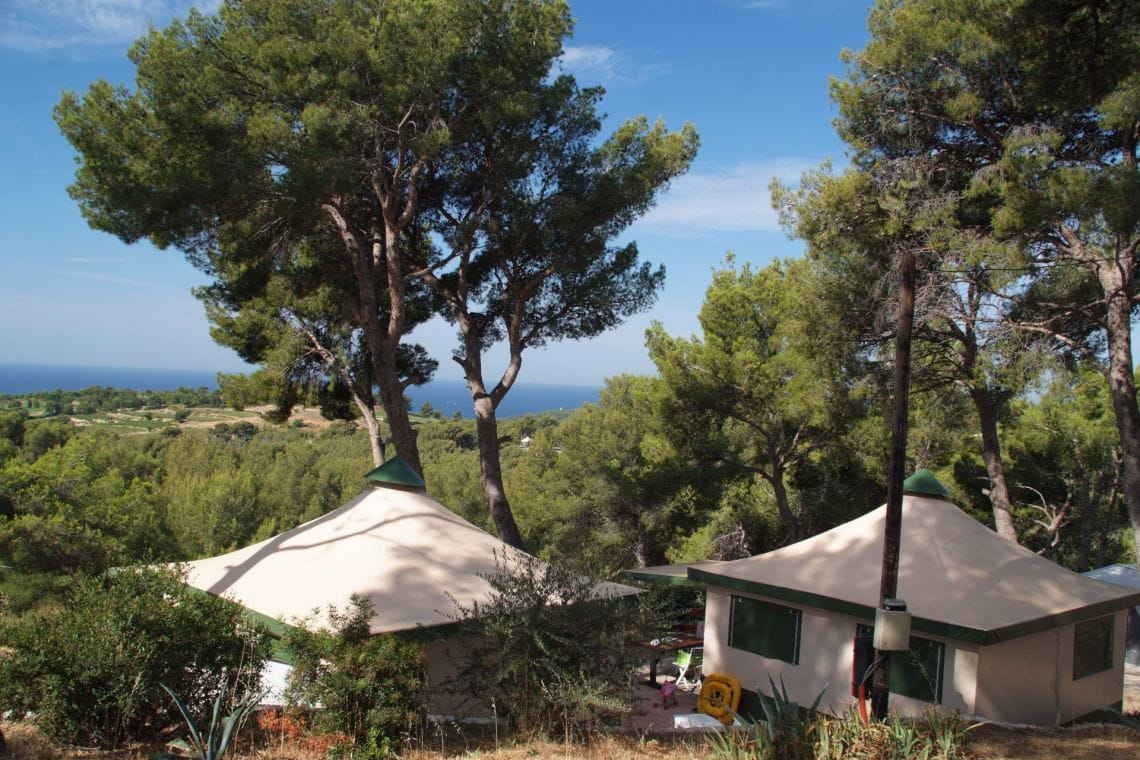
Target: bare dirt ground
<point x="1132" y="689"/>
<point x="1089" y="742"/>
<point x="648" y="735"/>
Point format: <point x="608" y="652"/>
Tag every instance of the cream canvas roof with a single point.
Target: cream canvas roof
<point x="958" y="577"/>
<point x="402" y="549"/>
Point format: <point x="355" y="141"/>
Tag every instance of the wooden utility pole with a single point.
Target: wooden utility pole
<point x="896" y="472"/>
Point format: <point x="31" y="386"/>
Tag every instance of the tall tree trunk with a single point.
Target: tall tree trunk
<point x="382" y="342"/>
<point x="1093" y="494"/>
<point x="487" y="429"/>
<point x="399" y="425"/>
<point x="1114" y="277"/>
<point x="896" y="472"/>
<point x="641" y="544"/>
<point x="995" y="467"/>
<point x="1110" y="510"/>
<point x="783" y="504"/>
<point x="375" y="440"/>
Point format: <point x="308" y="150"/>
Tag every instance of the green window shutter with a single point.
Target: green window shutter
<point x="916" y="673"/>
<point x="766" y="629"/>
<point x="1092" y="646"/>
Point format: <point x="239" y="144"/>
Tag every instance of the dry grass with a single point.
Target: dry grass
<point x="1087" y="742"/>
<point x="1090" y="742"/>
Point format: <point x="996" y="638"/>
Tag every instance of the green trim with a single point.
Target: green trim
<point x="1109" y="714"/>
<point x="918" y="624"/>
<point x="804" y="598"/>
<point x="923" y="483"/>
<point x="1105" y="624"/>
<point x="909" y="676"/>
<point x="751" y="707"/>
<point x="278" y="631"/>
<point x="765" y="628"/>
<point x="1064" y="618"/>
<point x="656" y="579"/>
<point x="424" y="634"/>
<point x="396" y="472"/>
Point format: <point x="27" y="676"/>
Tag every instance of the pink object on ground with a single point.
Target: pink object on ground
<point x="669" y="694"/>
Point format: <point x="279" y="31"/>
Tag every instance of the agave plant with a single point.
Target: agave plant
<point x="214" y="744"/>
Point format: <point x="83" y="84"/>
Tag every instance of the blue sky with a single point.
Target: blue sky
<point x="750" y="74"/>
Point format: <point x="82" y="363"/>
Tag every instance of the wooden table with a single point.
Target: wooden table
<point x="668" y="643"/>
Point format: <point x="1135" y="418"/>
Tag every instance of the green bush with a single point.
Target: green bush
<point x="90" y="671"/>
<point x="550" y="651"/>
<point x="368" y="687"/>
<point x="792" y="733"/>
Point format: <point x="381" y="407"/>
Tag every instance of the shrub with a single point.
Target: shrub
<point x="368" y="687"/>
<point x="550" y="650"/>
<point x="91" y="670"/>
<point x="790" y="733"/>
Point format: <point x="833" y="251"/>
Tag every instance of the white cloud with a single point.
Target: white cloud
<point x="592" y="64"/>
<point x="100" y="277"/>
<point x="585" y="60"/>
<point x="734" y="199"/>
<point x="45" y="25"/>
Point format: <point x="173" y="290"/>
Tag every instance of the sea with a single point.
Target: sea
<point x="448" y="396"/>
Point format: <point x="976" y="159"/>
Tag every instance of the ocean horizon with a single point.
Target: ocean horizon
<point x="448" y="395"/>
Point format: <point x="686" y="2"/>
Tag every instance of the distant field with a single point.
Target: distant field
<point x="145" y="421"/>
<point x="150" y="420"/>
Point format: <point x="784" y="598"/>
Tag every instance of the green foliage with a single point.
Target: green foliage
<point x="619" y="493"/>
<point x="91" y="671"/>
<point x="935" y="736"/>
<point x="1031" y="154"/>
<point x="759" y="392"/>
<point x="98" y="398"/>
<point x="793" y="734"/>
<point x="532" y="658"/>
<point x="222" y="730"/>
<point x="12" y="427"/>
<point x="42" y="435"/>
<point x="368" y="687"/>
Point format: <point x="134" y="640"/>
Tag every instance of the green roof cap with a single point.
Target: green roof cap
<point x="396" y="472"/>
<point x="924" y="483"/>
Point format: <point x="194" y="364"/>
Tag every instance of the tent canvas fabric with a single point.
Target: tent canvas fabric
<point x="959" y="578"/>
<point x="1129" y="576"/>
<point x="403" y="550"/>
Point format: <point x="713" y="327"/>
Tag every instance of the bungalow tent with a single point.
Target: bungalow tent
<point x="413" y="558"/>
<point x="997" y="632"/>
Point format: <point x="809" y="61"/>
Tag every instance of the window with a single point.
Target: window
<point x="916" y="673"/>
<point x="1092" y="647"/>
<point x="766" y="629"/>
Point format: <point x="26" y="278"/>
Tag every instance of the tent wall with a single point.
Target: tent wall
<point x="442" y="660"/>
<point x="1025" y="680"/>
<point x="1030" y="679"/>
<point x="825" y="660"/>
